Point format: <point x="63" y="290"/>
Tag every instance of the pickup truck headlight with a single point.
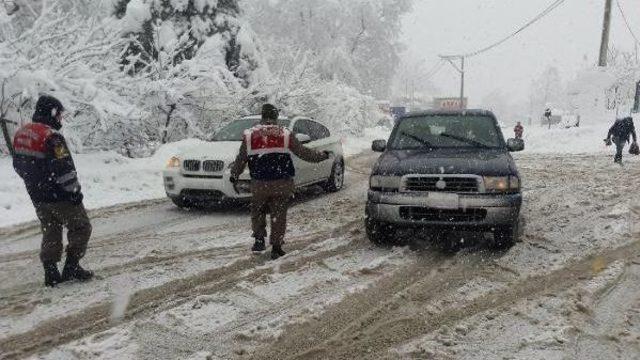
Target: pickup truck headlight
<point x="384" y="183"/>
<point x="173" y="163"/>
<point x="501" y="183"/>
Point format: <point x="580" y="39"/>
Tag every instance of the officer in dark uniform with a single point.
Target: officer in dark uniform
<point x="268" y="148"/>
<point x="43" y="161"/>
<point x="621" y="133"/>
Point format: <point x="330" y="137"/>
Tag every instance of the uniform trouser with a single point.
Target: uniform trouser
<point x="53" y="216"/>
<point x="272" y="197"/>
<point x="620" y="143"/>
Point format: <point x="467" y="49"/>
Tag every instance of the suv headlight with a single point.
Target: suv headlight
<point x="384" y="183"/>
<point x="501" y="183"/>
<point x="173" y="163"/>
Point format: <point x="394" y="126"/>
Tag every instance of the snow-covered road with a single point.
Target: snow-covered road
<point x="182" y="285"/>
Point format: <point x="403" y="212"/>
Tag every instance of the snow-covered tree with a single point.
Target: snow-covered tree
<point x="354" y="42"/>
<point x="172" y="31"/>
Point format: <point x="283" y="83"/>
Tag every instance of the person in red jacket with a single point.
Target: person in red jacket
<point x="518" y="130"/>
<point x="42" y="159"/>
<point x="268" y="149"/>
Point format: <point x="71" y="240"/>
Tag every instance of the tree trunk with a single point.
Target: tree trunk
<point x="165" y="132"/>
<point x="7" y="138"/>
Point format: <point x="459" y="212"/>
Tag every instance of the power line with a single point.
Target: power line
<point x="626" y="21"/>
<point x="433" y="72"/>
<point x="537" y="18"/>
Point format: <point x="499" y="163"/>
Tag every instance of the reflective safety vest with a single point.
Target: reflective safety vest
<point x="268" y="149"/>
<point x="44" y="162"/>
<point x="30" y="140"/>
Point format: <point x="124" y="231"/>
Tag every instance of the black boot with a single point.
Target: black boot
<point x="277" y="252"/>
<point x="72" y="270"/>
<point x="51" y="275"/>
<point x="259" y="246"/>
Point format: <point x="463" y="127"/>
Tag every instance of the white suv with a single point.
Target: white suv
<point x="200" y="175"/>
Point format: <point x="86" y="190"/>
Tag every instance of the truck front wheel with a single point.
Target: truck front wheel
<point x="504" y="237"/>
<point x="379" y="233"/>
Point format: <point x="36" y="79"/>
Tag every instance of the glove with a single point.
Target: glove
<point x="607" y="142"/>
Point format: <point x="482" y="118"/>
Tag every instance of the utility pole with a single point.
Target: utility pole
<point x="462" y="83"/>
<point x="459" y="70"/>
<point x="604" y="45"/>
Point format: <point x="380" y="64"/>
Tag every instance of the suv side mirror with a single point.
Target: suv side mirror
<point x="515" y="145"/>
<point x="379" y="145"/>
<point x="303" y="138"/>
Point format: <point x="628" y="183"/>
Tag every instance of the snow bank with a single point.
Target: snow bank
<point x="356" y="145"/>
<point x="107" y="179"/>
<point x="583" y="140"/>
<point x="588" y="139"/>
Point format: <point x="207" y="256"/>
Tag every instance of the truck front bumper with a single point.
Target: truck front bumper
<point x="470" y="211"/>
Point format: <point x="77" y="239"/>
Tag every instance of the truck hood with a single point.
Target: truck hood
<point x="481" y="162"/>
<point x="215" y="150"/>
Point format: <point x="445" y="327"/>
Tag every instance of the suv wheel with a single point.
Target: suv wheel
<point x="450" y="242"/>
<point x="336" y="179"/>
<point x="504" y="237"/>
<point x="378" y="232"/>
<point x="182" y="202"/>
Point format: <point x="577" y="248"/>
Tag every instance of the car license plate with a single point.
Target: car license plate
<point x="443" y="200"/>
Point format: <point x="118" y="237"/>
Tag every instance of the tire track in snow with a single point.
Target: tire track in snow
<point x="369" y="323"/>
<point x="97" y="317"/>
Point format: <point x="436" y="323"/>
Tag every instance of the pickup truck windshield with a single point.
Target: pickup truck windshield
<point x="446" y="131"/>
<point x="233" y="131"/>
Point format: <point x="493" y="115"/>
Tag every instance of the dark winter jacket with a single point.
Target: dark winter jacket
<point x="43" y="161"/>
<point x="268" y="150"/>
<point x="623" y="129"/>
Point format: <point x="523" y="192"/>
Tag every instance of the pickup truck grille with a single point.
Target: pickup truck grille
<point x="213" y="166"/>
<point x="434" y="184"/>
<point x="191" y="165"/>
<point x="438" y="215"/>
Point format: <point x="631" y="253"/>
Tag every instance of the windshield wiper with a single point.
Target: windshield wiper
<point x="466" y="140"/>
<point x="418" y="139"/>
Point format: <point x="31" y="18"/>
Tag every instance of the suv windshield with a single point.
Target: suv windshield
<point x="233" y="131"/>
<point x="446" y="131"/>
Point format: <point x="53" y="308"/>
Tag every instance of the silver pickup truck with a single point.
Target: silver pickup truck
<point x="448" y="170"/>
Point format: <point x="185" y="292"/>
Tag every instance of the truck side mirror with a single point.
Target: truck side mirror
<point x="379" y="145"/>
<point x="515" y="145"/>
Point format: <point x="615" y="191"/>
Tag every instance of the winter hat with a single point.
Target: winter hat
<point x="270" y="112"/>
<point x="47" y="108"/>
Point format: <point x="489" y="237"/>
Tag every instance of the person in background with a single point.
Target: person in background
<point x="547" y="115"/>
<point x="43" y="161"/>
<point x="518" y="130"/>
<point x="268" y="149"/>
<point x="620" y="133"/>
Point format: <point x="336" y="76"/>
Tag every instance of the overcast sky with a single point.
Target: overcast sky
<point x="568" y="38"/>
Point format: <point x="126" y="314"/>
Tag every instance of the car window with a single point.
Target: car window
<point x="320" y="130"/>
<point x="234" y="130"/>
<point x="315" y="130"/>
<point x="446" y="131"/>
<point x="303" y="127"/>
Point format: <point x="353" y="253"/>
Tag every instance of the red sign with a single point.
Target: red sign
<point x="449" y="103"/>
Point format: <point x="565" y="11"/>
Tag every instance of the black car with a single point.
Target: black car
<point x="445" y="169"/>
